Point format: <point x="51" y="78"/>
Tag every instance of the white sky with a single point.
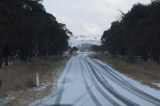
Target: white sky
<point x="89" y="17"/>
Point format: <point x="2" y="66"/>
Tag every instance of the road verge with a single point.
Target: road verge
<point x="19" y="79"/>
<point x="146" y="72"/>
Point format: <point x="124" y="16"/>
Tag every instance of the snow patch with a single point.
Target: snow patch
<point x="6" y="99"/>
<point x="41" y="87"/>
<point x="157" y="83"/>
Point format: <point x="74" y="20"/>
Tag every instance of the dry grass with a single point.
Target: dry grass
<point x="145" y="72"/>
<point x="21" y="76"/>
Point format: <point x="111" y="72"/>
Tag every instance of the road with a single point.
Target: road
<point x="89" y="82"/>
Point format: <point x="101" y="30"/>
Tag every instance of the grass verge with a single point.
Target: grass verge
<point x="19" y="79"/>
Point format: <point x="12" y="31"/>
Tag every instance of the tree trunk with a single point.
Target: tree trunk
<point x="6" y="60"/>
<point x="1" y="62"/>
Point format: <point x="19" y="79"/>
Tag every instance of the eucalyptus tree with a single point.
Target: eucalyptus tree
<point x="26" y="30"/>
<point x="136" y="34"/>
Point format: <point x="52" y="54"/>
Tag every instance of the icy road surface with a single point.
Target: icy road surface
<point x="89" y="82"/>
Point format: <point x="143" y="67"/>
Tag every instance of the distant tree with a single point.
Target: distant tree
<point x="73" y="49"/>
<point x="96" y="48"/>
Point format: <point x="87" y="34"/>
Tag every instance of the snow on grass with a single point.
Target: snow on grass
<point x="6" y="99"/>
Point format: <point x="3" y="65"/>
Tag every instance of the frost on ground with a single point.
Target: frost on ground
<point x="41" y="87"/>
<point x="10" y="100"/>
<point x="6" y="99"/>
<point x="89" y="82"/>
<point x="21" y="83"/>
<point x="157" y="83"/>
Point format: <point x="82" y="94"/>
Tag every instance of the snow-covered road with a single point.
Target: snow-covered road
<point x="89" y="82"/>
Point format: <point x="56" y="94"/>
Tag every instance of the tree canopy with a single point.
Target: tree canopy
<point x="27" y="30"/>
<point x="136" y="34"/>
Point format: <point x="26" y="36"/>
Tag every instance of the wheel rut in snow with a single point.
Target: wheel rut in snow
<point x="88" y="88"/>
<point x="61" y="89"/>
<point x="126" y="85"/>
<point x="99" y="88"/>
<point x="111" y="89"/>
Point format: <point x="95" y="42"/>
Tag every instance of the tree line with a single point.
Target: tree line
<point x="27" y="30"/>
<point x="136" y="34"/>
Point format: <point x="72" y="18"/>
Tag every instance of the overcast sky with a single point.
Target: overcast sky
<point x="89" y="17"/>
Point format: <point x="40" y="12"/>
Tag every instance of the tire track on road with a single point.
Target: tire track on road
<point x="95" y="100"/>
<point x="111" y="89"/>
<point x="60" y="91"/>
<point x="100" y="90"/>
<point x="126" y="85"/>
